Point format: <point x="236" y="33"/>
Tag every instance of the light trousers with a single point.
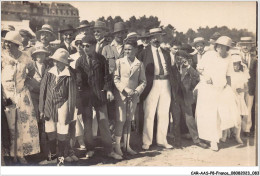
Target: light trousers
<point x="158" y="100"/>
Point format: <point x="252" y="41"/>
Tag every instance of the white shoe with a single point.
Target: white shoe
<point x="115" y="156"/>
<point x="145" y="147"/>
<point x="167" y="146"/>
<point x="90" y="154"/>
<point x="214" y="146"/>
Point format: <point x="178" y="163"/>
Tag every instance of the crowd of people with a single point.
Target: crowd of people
<point x="55" y="98"/>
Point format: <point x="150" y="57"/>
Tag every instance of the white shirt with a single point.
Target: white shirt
<point x="39" y="66"/>
<point x="156" y="64"/>
<point x="75" y="58"/>
<point x="99" y="44"/>
<point x="172" y="58"/>
<point x="118" y="47"/>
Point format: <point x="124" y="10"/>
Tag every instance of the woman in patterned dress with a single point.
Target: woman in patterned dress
<point x="17" y="70"/>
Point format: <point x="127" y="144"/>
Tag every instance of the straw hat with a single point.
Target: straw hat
<point x="100" y="25"/>
<point x="119" y="26"/>
<point x="39" y="48"/>
<point x="131" y="36"/>
<point x="246" y="40"/>
<point x="14" y="37"/>
<point x="146" y="35"/>
<point x="236" y="58"/>
<point x="199" y="40"/>
<point x="61" y="55"/>
<point x="46" y="28"/>
<point x="84" y="24"/>
<point x="155" y="31"/>
<point x="224" y="40"/>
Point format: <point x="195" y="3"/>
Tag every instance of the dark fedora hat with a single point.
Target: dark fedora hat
<point x="84" y="24"/>
<point x="119" y="26"/>
<point x="188" y="48"/>
<point x="100" y="25"/>
<point x="67" y="27"/>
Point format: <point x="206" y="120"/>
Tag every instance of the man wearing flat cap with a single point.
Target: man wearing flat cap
<point x="249" y="58"/>
<point x="157" y="94"/>
<point x="100" y="30"/>
<point x="199" y="44"/>
<point x="67" y="35"/>
<point x="187" y="79"/>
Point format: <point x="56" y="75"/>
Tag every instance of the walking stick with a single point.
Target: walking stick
<point x="15" y="135"/>
<point x="128" y="107"/>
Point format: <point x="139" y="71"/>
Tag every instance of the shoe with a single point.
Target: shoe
<point x="115" y="156"/>
<point x="68" y="159"/>
<point x="90" y="154"/>
<point x="45" y="162"/>
<point x="74" y="157"/>
<point x="131" y="151"/>
<point x="60" y="161"/>
<point x="82" y="147"/>
<point x="223" y="139"/>
<point x="167" y="146"/>
<point x="202" y="145"/>
<point x="238" y="139"/>
<point x="145" y="147"/>
<point x="214" y="146"/>
<point x="22" y="160"/>
<point x="118" y="150"/>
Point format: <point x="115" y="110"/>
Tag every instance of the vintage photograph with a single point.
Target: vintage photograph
<point x="129" y="83"/>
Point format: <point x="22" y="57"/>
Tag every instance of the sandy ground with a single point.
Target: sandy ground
<point x="230" y="154"/>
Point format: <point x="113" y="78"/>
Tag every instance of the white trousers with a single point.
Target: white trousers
<point x="158" y="100"/>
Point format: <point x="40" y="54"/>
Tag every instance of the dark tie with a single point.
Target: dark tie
<point x="161" y="71"/>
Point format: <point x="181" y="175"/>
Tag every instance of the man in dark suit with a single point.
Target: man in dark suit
<point x="187" y="79"/>
<point x="67" y="34"/>
<point x="157" y="94"/>
<point x="100" y="30"/>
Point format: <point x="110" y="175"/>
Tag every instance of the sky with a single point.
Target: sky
<point x="181" y="15"/>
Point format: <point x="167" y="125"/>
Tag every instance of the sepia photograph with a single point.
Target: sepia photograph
<point x="115" y="83"/>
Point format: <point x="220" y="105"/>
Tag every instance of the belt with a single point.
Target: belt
<point x="161" y="77"/>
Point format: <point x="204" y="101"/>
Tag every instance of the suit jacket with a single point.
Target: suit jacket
<point x="104" y="43"/>
<point x="71" y="51"/>
<point x="132" y="77"/>
<point x="146" y="56"/>
<point x="111" y="54"/>
<point x="187" y="82"/>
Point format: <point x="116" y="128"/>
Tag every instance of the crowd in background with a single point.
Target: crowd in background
<point x="59" y="96"/>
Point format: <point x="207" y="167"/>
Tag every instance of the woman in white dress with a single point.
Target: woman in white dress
<point x="216" y="104"/>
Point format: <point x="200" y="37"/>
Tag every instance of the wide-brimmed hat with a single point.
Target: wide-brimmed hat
<point x="62" y="55"/>
<point x="224" y="40"/>
<point x="156" y="31"/>
<point x="100" y="25"/>
<point x="46" y="28"/>
<point x="119" y="26"/>
<point x="14" y="37"/>
<point x="131" y="36"/>
<point x="199" y="40"/>
<point x="145" y="35"/>
<point x="39" y="48"/>
<point x="24" y="32"/>
<point x="236" y="58"/>
<point x="9" y="28"/>
<point x="188" y="48"/>
<point x="84" y="24"/>
<point x="67" y="27"/>
<point x="246" y="40"/>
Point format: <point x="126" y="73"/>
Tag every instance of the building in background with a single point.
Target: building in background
<point x="38" y="13"/>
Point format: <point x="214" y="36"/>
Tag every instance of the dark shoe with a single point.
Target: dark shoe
<point x="202" y="145"/>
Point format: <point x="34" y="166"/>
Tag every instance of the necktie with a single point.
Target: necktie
<point x="161" y="71"/>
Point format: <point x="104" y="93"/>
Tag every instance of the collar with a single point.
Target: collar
<point x="65" y="72"/>
<point x="136" y="61"/>
<point x="154" y="48"/>
<point x="101" y="41"/>
<point x="66" y="44"/>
